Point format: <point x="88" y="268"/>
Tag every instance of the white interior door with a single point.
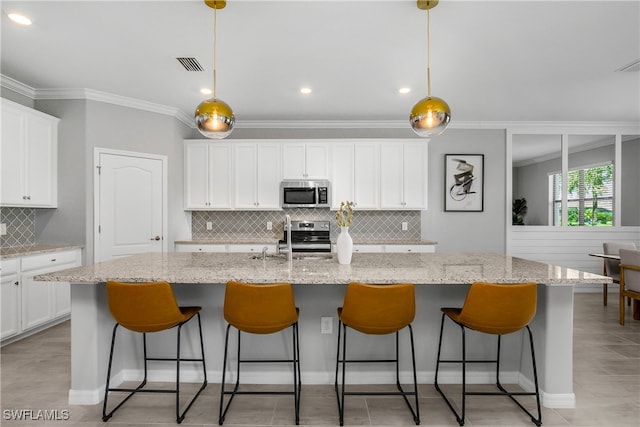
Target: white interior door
<point x="130" y="204"/>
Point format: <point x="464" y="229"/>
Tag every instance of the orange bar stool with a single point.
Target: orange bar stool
<point x="376" y="310"/>
<point x="146" y="308"/>
<point x="260" y="309"/>
<point x="496" y="309"/>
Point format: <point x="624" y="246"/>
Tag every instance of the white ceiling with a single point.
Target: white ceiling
<point x="491" y="61"/>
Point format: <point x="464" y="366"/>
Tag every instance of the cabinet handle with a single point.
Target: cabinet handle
<point x="26" y="197"/>
<point x="16" y="283"/>
<point x="155" y="238"/>
<point x="53" y="259"/>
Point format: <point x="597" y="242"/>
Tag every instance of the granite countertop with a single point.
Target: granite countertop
<point x="420" y="269"/>
<point x="18" y="251"/>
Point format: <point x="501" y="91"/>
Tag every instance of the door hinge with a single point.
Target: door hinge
<point x="99" y="229"/>
<point x="99" y="169"/>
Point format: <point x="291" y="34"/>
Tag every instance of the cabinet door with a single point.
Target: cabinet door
<point x="293" y="161"/>
<point x="196" y="177"/>
<point x="415" y="175"/>
<point x="37" y="301"/>
<point x="13" y="128"/>
<point x="317" y="160"/>
<point x="10" y="303"/>
<point x="219" y="168"/>
<point x="245" y="176"/>
<point x="41" y="169"/>
<point x="391" y="176"/>
<point x="268" y="176"/>
<point x="366" y="176"/>
<point x="342" y="165"/>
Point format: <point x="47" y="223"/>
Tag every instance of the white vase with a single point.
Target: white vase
<point x="344" y="246"/>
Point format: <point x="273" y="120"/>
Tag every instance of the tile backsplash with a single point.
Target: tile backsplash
<point x="21" y="227"/>
<point x="368" y="226"/>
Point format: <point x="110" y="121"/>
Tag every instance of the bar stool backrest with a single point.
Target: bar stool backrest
<point x="630" y="257"/>
<point x="499" y="308"/>
<point x="378" y="309"/>
<point x="259" y="308"/>
<point x="144" y="307"/>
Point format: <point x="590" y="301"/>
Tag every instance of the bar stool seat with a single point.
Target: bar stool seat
<point x="260" y="309"/>
<point x="495" y="309"/>
<point x="376" y="310"/>
<point x="147" y="308"/>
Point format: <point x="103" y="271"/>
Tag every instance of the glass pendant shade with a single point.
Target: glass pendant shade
<point x="214" y="118"/>
<point x="430" y="116"/>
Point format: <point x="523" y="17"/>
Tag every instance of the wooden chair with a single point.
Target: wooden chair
<point x="260" y="309"/>
<point x="611" y="266"/>
<point x="376" y="310"/>
<point x="147" y="308"/>
<point x="495" y="309"/>
<point x="629" y="278"/>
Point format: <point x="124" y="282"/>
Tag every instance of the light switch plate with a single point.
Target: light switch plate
<point x="405" y="226"/>
<point x="3" y="229"/>
<point x="209" y="225"/>
<point x="269" y="225"/>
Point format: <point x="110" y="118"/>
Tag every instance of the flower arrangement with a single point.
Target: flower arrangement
<point x="344" y="215"/>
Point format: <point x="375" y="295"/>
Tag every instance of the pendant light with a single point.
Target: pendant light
<point x="214" y="118"/>
<point x="430" y="116"/>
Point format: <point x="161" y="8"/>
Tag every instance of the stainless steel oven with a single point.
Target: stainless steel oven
<point x="305" y="193"/>
<point x="307" y="236"/>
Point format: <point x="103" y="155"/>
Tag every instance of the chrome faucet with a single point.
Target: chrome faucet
<point x="264" y="253"/>
<point x="287" y="227"/>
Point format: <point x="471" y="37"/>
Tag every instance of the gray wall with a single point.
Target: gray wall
<point x="86" y="125"/>
<point x="630" y="186"/>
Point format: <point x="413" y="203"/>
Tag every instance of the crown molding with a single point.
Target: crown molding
<point x="512" y="127"/>
<point x="16" y="86"/>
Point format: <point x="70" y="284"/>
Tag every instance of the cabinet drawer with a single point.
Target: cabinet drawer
<point x="200" y="248"/>
<point x="52" y="260"/>
<point x="368" y="248"/>
<point x="9" y="266"/>
<point x="250" y="248"/>
<point x="410" y="248"/>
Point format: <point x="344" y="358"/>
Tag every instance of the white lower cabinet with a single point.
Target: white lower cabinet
<point x="408" y="248"/>
<point x="28" y="304"/>
<point x="231" y="248"/>
<point x="10" y="298"/>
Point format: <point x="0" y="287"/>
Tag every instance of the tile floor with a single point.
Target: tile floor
<point x="35" y="375"/>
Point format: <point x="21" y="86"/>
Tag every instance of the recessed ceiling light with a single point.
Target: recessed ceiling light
<point x="305" y="90"/>
<point x="19" y="19"/>
<point x="205" y="91"/>
<point x="404" y="90"/>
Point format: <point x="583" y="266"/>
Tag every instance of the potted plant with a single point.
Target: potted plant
<point x="519" y="210"/>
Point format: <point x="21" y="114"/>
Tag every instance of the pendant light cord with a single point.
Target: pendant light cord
<point x="428" y="57"/>
<point x="215" y="22"/>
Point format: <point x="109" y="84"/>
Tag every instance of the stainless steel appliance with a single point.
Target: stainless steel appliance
<point x="305" y="193"/>
<point x="307" y="236"/>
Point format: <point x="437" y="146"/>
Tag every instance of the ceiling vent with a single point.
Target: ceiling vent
<point x="630" y="67"/>
<point x="190" y="64"/>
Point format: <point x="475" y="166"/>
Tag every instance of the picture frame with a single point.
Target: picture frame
<point x="464" y="182"/>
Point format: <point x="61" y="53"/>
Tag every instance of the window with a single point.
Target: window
<point x="589" y="199"/>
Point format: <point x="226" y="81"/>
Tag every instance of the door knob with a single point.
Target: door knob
<point x="155" y="238"/>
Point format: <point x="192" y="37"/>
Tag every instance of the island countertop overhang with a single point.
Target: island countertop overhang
<point x="418" y="268"/>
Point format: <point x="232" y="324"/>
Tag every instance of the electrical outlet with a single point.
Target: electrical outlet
<point x="405" y="226"/>
<point x="209" y="225"/>
<point x="269" y="225"/>
<point x="326" y="325"/>
<point x="3" y="229"/>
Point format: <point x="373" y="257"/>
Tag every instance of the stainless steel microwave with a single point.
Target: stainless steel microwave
<point x="305" y="193"/>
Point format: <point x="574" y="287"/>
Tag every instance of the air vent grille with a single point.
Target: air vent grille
<point x="190" y="64"/>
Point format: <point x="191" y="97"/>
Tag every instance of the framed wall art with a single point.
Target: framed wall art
<point x="464" y="182"/>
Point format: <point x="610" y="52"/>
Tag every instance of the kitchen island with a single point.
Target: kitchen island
<point x="442" y="279"/>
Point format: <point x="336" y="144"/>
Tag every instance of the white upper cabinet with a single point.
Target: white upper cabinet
<point x="29" y="157"/>
<point x="403" y="175"/>
<point x="355" y="174"/>
<point x="207" y="175"/>
<point x="256" y="175"/>
<point x="309" y="160"/>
